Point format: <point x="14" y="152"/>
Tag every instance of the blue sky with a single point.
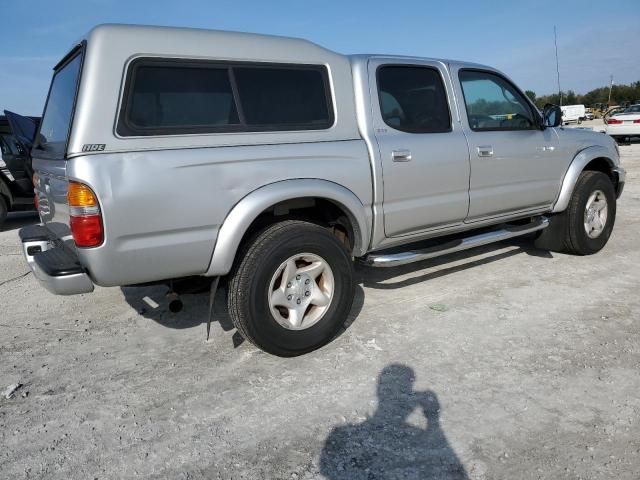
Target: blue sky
<point x="516" y="37"/>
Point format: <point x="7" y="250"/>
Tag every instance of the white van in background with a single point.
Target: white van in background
<point x="572" y="113"/>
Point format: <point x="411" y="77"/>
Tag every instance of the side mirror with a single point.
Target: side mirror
<point x="552" y="115"/>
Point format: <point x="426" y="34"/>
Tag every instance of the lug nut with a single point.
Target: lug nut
<point x="307" y="293"/>
<point x="297" y="277"/>
<point x="288" y="297"/>
<point x="298" y="301"/>
<point x="307" y="281"/>
<point x="288" y="284"/>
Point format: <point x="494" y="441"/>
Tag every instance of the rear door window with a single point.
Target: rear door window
<point x="413" y="99"/>
<point x="172" y="97"/>
<point x="56" y="121"/>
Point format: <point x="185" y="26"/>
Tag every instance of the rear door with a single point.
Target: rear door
<point x="50" y="145"/>
<point x="425" y="159"/>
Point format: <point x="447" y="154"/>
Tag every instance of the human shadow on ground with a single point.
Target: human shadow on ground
<point x="386" y="446"/>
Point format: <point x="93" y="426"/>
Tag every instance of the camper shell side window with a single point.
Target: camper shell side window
<point x="174" y="96"/>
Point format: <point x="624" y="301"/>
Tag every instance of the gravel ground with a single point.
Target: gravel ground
<point x="503" y="362"/>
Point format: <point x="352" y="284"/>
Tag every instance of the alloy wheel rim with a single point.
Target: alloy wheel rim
<point x="301" y="291"/>
<point x="595" y="214"/>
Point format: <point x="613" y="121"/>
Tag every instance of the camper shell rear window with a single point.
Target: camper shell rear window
<point x="57" y="118"/>
<point x="173" y="97"/>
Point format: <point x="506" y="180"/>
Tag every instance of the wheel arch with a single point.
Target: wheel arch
<point x="594" y="158"/>
<point x="246" y="212"/>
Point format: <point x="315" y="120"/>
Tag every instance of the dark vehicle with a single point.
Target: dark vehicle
<point x="16" y="186"/>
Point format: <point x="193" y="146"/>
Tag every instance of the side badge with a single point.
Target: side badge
<point x="93" y="147"/>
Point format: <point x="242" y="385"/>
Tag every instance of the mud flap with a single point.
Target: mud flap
<point x="212" y="296"/>
<point x="552" y="238"/>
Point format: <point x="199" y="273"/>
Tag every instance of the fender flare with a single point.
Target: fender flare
<point x="237" y="222"/>
<point x="579" y="162"/>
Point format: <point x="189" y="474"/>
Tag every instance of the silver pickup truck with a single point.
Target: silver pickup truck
<point x="166" y="153"/>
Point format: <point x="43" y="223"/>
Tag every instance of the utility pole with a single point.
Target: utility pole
<point x="610" y="87"/>
<point x="555" y="39"/>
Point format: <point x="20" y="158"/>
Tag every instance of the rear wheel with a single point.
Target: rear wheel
<point x="3" y="211"/>
<point x="586" y="225"/>
<point x="291" y="289"/>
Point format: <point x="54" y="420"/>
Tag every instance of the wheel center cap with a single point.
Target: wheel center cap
<point x="300" y="289"/>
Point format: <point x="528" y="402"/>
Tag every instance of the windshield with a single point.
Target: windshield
<point x="57" y="113"/>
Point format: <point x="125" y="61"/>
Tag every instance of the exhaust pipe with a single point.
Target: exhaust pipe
<point x="175" y="302"/>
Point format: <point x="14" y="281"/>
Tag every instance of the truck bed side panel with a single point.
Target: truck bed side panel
<point x="162" y="209"/>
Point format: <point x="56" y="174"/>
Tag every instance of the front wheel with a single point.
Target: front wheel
<point x="291" y="289"/>
<point x="586" y="225"/>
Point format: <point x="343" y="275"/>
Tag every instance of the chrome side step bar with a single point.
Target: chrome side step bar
<point x="402" y="258"/>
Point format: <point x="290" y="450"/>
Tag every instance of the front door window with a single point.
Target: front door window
<point x="493" y="104"/>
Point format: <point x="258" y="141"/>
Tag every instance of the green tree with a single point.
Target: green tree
<point x="531" y="94"/>
<point x="570" y="98"/>
<point x="620" y="95"/>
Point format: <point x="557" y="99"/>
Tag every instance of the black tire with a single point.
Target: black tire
<point x="3" y="211"/>
<point x="251" y="275"/>
<point x="566" y="232"/>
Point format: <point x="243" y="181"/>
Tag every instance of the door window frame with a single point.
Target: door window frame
<point x="537" y="121"/>
<point x="414" y="65"/>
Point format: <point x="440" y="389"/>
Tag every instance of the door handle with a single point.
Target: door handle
<point x="401" y="155"/>
<point x="485" y="151"/>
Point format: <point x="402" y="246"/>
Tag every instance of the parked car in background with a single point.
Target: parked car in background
<point x="612" y="111"/>
<point x="572" y="113"/>
<point x="588" y="114"/>
<point x="624" y="124"/>
<point x="16" y="186"/>
<point x="168" y="152"/>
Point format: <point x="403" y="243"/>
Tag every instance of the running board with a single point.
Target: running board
<point x="402" y="258"/>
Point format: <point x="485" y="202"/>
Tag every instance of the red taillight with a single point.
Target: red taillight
<point x="87" y="231"/>
<point x="85" y="219"/>
<point x="636" y="121"/>
<point x="614" y="121"/>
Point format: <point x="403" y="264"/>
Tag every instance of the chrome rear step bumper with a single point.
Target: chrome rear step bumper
<point x="382" y="259"/>
<point x="54" y="265"/>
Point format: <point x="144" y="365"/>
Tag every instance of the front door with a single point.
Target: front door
<point x="515" y="165"/>
<point x="424" y="154"/>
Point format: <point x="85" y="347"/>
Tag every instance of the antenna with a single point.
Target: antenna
<point x="555" y="39"/>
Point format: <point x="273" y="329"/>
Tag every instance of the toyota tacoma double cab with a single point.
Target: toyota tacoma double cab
<point x="168" y="153"/>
